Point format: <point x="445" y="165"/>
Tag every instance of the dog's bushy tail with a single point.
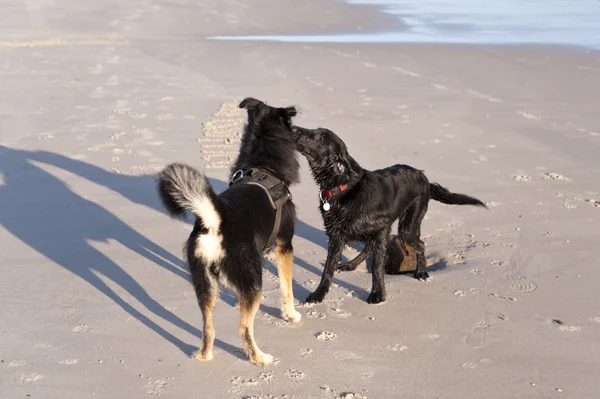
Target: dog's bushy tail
<point x="444" y="196"/>
<point x="182" y="188"/>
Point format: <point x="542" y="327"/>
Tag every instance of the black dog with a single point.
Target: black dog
<point x="361" y="205"/>
<point x="234" y="228"/>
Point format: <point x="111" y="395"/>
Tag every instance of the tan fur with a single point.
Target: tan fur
<point x="285" y="262"/>
<point x="208" y="332"/>
<point x="248" y="312"/>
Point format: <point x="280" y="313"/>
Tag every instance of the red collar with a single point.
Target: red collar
<point x="326" y="195"/>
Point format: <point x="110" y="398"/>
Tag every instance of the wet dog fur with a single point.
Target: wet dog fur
<point x="365" y="205"/>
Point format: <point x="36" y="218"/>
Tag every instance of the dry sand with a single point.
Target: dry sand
<point x="98" y="96"/>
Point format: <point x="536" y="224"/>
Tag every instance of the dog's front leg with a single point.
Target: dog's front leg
<point x="334" y="252"/>
<point x="379" y="256"/>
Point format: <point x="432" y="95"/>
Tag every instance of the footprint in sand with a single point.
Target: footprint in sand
<point x="326" y="336"/>
<point x="523" y="286"/>
<point x="306" y="352"/>
<point x="156" y="387"/>
<point x="346" y="355"/>
<point x="266" y="376"/>
<point x="239" y="383"/>
<point x="69" y="362"/>
<point x="555" y="176"/>
<point x="367" y="376"/>
<point x="569" y="328"/>
<point x="350" y="395"/>
<point x="314" y="314"/>
<point x="528" y="115"/>
<point x="326" y="390"/>
<point x="275" y="321"/>
<point x="593" y="202"/>
<point x="16" y="363"/>
<point x="340" y="313"/>
<point x="268" y="396"/>
<point x="522" y="178"/>
<point x="473" y="365"/>
<point x="569" y="205"/>
<point x="310" y="284"/>
<point x="497" y="263"/>
<point x="457" y="258"/>
<point x="27" y="378"/>
<point x="295" y="374"/>
<point x="396" y="348"/>
<point x="509" y="298"/>
<point x="465" y="293"/>
<point x="81" y="328"/>
<point x="595" y="319"/>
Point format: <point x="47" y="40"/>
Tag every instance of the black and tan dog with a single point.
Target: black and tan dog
<point x="233" y="229"/>
<point x="361" y="205"/>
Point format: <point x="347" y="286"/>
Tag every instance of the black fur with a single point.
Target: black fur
<point x="245" y="216"/>
<point x="366" y="209"/>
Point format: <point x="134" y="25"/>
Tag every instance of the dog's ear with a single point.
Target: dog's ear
<point x="250" y="103"/>
<point x="340" y="165"/>
<point x="288" y="112"/>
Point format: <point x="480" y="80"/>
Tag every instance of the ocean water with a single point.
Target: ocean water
<point x="554" y="22"/>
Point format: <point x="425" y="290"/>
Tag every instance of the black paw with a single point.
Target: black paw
<point x="421" y="275"/>
<point x="346" y="267"/>
<point x="315" y="297"/>
<point x="376" y="297"/>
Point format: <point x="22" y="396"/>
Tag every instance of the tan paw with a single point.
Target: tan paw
<point x="262" y="359"/>
<point x="200" y="355"/>
<point x="293" y="316"/>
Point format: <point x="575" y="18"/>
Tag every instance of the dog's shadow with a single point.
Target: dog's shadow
<point x="439" y="265"/>
<point x="42" y="211"/>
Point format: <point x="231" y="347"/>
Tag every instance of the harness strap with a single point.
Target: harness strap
<point x="276" y="227"/>
<point x="276" y="190"/>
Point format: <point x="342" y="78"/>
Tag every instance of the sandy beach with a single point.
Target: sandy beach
<point x="97" y="97"/>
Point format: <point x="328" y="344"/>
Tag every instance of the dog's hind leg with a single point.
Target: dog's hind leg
<point x="410" y="230"/>
<point x="284" y="255"/>
<point x="248" y="307"/>
<point x="360" y="258"/>
<point x="380" y="248"/>
<point x="206" y="287"/>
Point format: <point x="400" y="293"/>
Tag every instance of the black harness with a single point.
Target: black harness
<point x="276" y="190"/>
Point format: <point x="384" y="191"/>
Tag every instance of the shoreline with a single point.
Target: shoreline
<point x="413" y="29"/>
